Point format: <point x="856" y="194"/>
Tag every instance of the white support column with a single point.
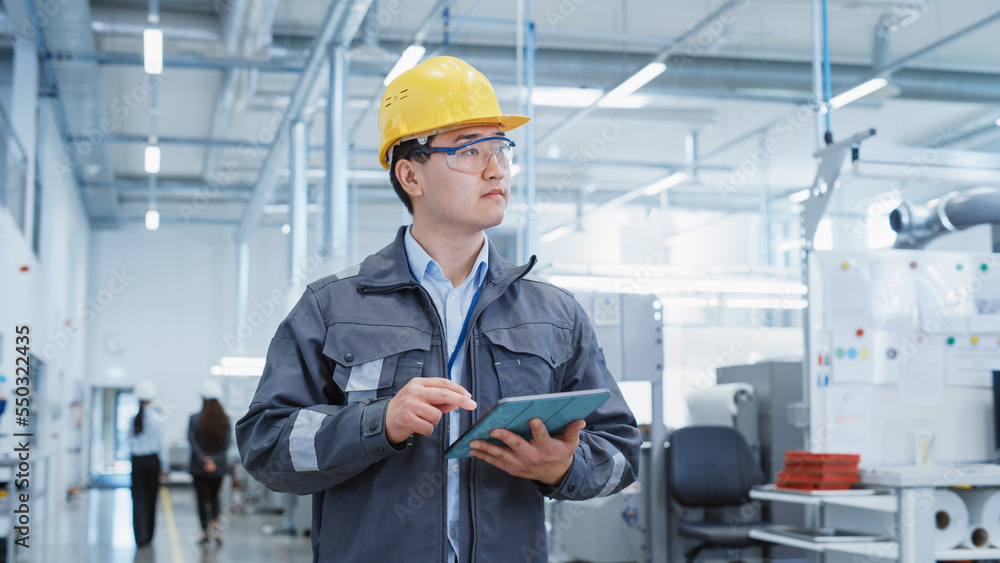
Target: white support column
<point x="297" y="217"/>
<point x="242" y="291"/>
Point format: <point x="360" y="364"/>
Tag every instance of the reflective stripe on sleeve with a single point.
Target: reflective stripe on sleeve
<point x="616" y="475"/>
<point x="302" y="442"/>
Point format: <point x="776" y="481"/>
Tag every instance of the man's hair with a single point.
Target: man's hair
<point x="404" y="151"/>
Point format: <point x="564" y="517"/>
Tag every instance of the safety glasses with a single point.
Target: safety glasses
<point x="474" y="157"/>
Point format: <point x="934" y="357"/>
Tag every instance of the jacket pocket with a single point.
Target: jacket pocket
<point x="374" y="361"/>
<point x="526" y="357"/>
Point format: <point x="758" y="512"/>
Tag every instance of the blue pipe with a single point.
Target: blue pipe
<point x="50" y="75"/>
<point x="827" y="81"/>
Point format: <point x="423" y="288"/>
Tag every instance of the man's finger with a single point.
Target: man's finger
<point x="447" y="400"/>
<point x="512" y="440"/>
<point x="441" y="382"/>
<point x="539" y="432"/>
<point x="572" y="432"/>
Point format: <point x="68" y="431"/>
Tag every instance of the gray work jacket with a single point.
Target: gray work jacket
<point x="317" y="421"/>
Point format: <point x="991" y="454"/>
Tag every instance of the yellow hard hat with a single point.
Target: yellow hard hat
<point x="435" y="96"/>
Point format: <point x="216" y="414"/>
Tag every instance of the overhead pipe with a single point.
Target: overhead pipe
<point x="341" y="24"/>
<point x="916" y="225"/>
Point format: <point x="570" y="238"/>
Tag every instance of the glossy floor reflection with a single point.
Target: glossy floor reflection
<point x="97" y="528"/>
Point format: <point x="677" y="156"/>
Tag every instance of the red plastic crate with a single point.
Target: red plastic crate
<point x="798" y="455"/>
<point x="813" y="487"/>
<point x="817" y="466"/>
<point x="818" y="478"/>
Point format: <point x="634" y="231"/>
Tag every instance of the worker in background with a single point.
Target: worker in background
<point x="377" y="369"/>
<point x="149" y="463"/>
<point x="208" y="434"/>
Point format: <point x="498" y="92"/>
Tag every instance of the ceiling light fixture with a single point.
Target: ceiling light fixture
<point x="152" y="159"/>
<point x="858" y="92"/>
<point x="409" y="59"/>
<point x="152" y="217"/>
<point x="799" y="196"/>
<point x="665" y="183"/>
<point x="152" y="50"/>
<point x="638" y="80"/>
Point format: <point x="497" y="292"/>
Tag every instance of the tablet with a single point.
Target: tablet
<point x="556" y="410"/>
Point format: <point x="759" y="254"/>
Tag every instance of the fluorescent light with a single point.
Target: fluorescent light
<point x="665" y="183"/>
<point x="799" y="196"/>
<point x="790" y="244"/>
<point x="565" y="97"/>
<point x="152" y="159"/>
<point x="515" y="169"/>
<point x="152" y="219"/>
<point x="242" y="361"/>
<point x="642" y="283"/>
<point x="152" y="50"/>
<point x="409" y="59"/>
<point x="638" y="80"/>
<point x="556" y="96"/>
<point x="247" y="371"/>
<point x="767" y="303"/>
<point x="689" y="302"/>
<point x="556" y="233"/>
<point x="858" y="92"/>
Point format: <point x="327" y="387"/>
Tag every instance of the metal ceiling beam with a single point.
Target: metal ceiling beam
<point x="182" y="141"/>
<point x="180" y="61"/>
<point x="340" y="26"/>
<point x="418" y="39"/>
<point x="637" y="192"/>
<point x="660" y="57"/>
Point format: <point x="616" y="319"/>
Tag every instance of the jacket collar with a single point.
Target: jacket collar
<point x="388" y="269"/>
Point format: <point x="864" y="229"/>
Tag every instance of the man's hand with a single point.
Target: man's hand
<point x="209" y="465"/>
<point x="545" y="458"/>
<point x="418" y="406"/>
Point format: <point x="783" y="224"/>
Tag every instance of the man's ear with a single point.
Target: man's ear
<point x="408" y="175"/>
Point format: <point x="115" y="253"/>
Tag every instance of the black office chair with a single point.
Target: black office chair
<point x="713" y="467"/>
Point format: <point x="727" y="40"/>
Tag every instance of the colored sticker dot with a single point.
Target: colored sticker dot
<point x="845" y="265"/>
<point x="975" y="340"/>
<point x="852" y="353"/>
<point x="951" y="340"/>
<point x="890" y="353"/>
<point x="864" y="353"/>
<point x="860" y="332"/>
<point x="913" y="264"/>
<point x="840" y="352"/>
<point x="984" y="267"/>
<point x="959" y="267"/>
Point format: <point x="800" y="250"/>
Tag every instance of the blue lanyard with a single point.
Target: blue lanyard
<point x="465" y="328"/>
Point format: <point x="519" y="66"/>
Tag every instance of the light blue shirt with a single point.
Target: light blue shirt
<point x="453" y="305"/>
<point x="150" y="441"/>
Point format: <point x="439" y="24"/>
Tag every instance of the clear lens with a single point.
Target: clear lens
<point x="475" y="157"/>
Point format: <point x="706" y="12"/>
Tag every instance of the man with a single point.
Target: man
<point x="376" y="370"/>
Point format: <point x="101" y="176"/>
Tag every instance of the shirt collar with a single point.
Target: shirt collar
<point x="421" y="263"/>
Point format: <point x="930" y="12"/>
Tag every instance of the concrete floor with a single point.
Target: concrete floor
<point x="97" y="528"/>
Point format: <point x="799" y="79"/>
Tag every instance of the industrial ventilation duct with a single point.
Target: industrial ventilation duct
<point x="917" y="225"/>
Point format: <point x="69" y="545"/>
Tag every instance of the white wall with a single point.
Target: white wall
<point x="47" y="297"/>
